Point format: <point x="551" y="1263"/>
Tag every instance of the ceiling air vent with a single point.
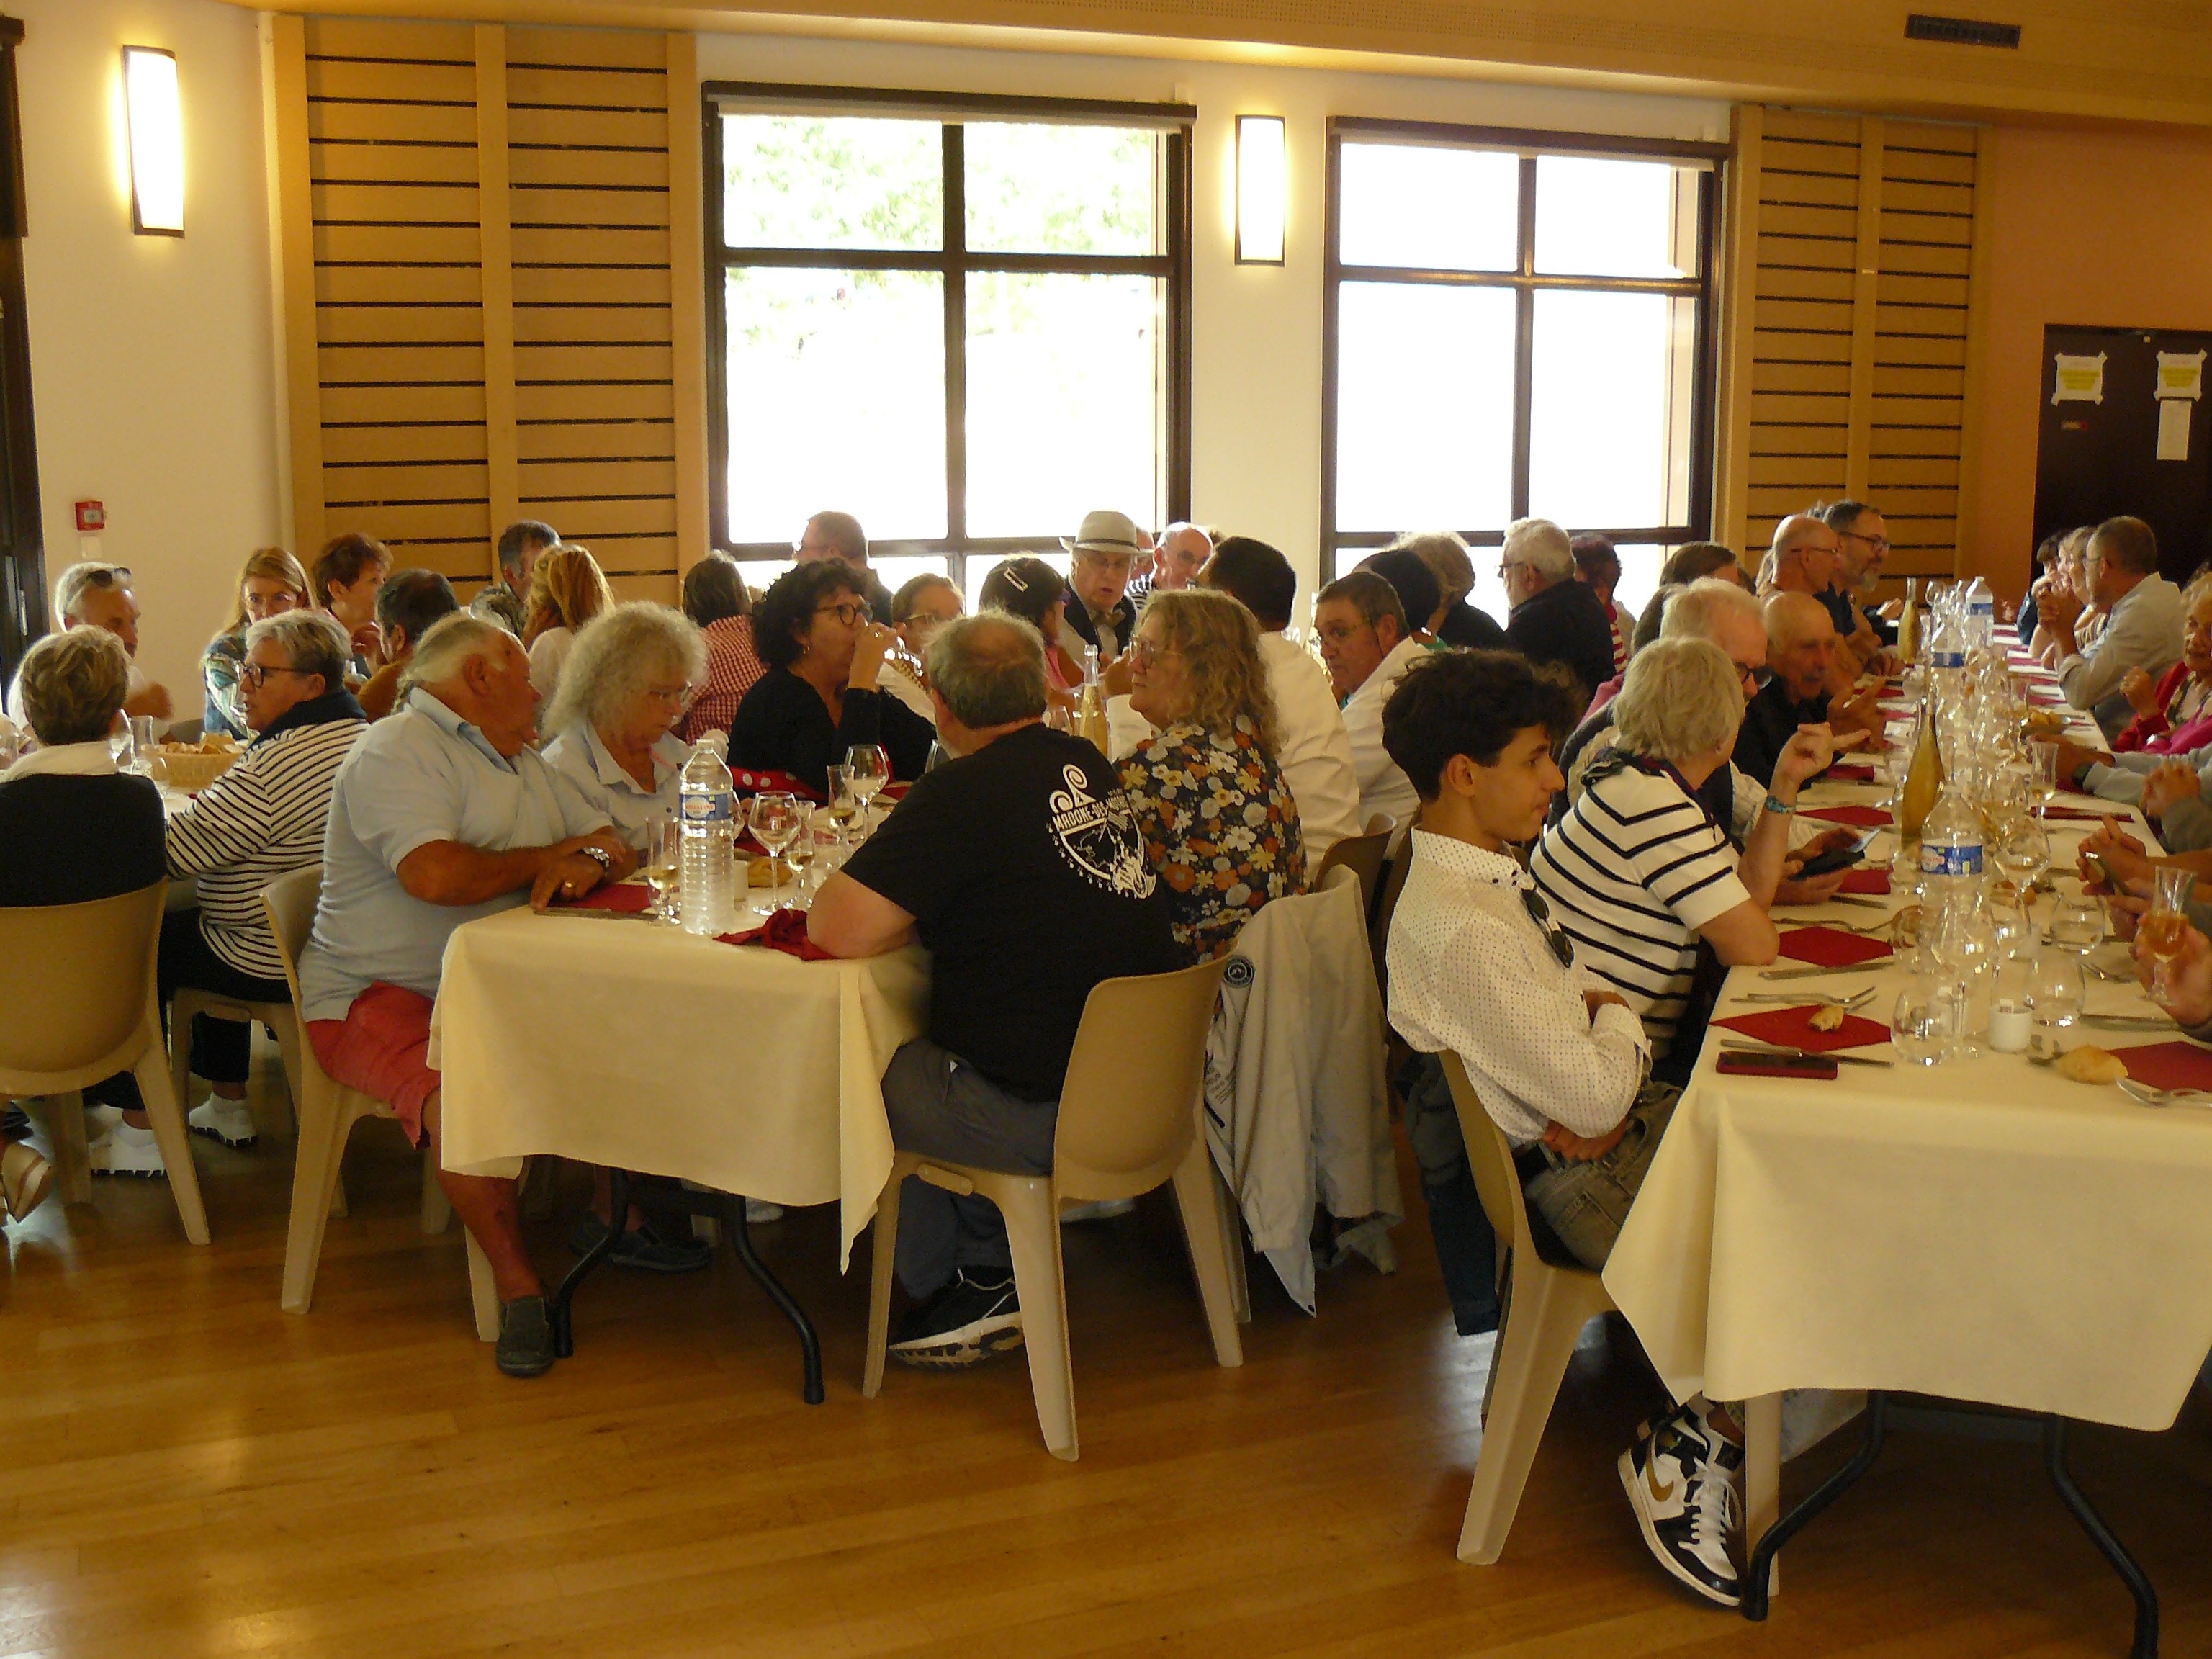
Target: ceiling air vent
<point x="1962" y="31"/>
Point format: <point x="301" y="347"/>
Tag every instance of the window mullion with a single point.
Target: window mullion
<point x="956" y="334"/>
<point x="1524" y="337"/>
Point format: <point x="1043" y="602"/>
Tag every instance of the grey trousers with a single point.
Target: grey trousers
<point x="942" y="1107"/>
<point x="1586" y="1204"/>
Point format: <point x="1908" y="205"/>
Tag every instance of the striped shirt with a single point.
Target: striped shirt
<point x="262" y="819"/>
<point x="1633" y="870"/>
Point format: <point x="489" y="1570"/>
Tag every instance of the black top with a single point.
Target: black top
<point x="1123" y="615"/>
<point x="1769" y="720"/>
<point x="783" y="725"/>
<point x="1840" y="611"/>
<point x="68" y="840"/>
<point x="1886" y="630"/>
<point x="1024" y="868"/>
<point x="879" y="599"/>
<point x="1566" y="624"/>
<point x="2025" y="627"/>
<point x="1465" y="625"/>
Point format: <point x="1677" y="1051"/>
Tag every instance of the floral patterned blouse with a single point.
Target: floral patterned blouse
<point x="1220" y="831"/>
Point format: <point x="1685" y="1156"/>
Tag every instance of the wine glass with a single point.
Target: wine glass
<point x="2166" y="929"/>
<point x="870" y="764"/>
<point x="2046" y="770"/>
<point x="2023" y="853"/>
<point x="664" y="858"/>
<point x="777" y="818"/>
<point x="939" y="754"/>
<point x="845" y="805"/>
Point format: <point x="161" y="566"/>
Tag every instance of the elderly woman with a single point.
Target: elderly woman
<point x="2069" y="579"/>
<point x="1455" y="621"/>
<point x="1220" y="828"/>
<point x="72" y="829"/>
<point x="1640" y="873"/>
<point x="628" y="682"/>
<point x="262" y="819"/>
<point x="1030" y="588"/>
<point x="271" y="584"/>
<point x="821" y="697"/>
<point x="715" y="599"/>
<point x="2174" y="714"/>
<point x="567" y="590"/>
<point x="923" y="605"/>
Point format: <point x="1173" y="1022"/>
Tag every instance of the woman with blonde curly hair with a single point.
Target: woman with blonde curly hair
<point x="1220" y="826"/>
<point x="272" y="583"/>
<point x="567" y="590"/>
<point x="629" y="680"/>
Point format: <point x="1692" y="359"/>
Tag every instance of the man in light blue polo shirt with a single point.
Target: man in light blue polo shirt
<point x="444" y="813"/>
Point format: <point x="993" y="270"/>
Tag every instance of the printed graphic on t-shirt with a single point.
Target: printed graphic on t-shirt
<point x="1099" y="838"/>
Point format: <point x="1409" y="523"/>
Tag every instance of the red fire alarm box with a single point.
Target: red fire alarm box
<point x="91" y="517"/>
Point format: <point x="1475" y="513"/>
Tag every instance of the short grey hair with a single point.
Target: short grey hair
<point x="1696" y="610"/>
<point x="73" y="684"/>
<point x="311" y="641"/>
<point x="1542" y="546"/>
<point x="619" y="654"/>
<point x="1683" y="699"/>
<point x="1445" y="554"/>
<point x="449" y="645"/>
<point x="69" y="585"/>
<point x="989" y="669"/>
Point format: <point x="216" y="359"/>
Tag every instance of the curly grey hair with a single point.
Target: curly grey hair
<point x="312" y="643"/>
<point x="619" y="654"/>
<point x="73" y="684"/>
<point x="1683" y="699"/>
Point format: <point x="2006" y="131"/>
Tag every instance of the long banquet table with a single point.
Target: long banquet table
<point x="1983" y="1231"/>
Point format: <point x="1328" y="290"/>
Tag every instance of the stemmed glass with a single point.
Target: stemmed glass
<point x="664" y="855"/>
<point x="2023" y="855"/>
<point x="2046" y="771"/>
<point x="871" y="766"/>
<point x="845" y="805"/>
<point x="777" y="818"/>
<point x="2165" y="928"/>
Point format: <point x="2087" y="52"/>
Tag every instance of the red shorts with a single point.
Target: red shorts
<point x="380" y="1047"/>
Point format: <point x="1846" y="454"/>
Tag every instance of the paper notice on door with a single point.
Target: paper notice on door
<point x="2079" y="380"/>
<point x="2180" y="374"/>
<point x="2173" y="414"/>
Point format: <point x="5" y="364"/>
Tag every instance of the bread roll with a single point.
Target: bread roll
<point x="2090" y="1064"/>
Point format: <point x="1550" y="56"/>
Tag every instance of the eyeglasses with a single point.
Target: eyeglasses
<point x="1555" y="936"/>
<point x="1144" y="653"/>
<point x="108" y="575"/>
<point x="848" y="613"/>
<point x="679" y="698"/>
<point x="1881" y="543"/>
<point x="1337" y="633"/>
<point x="254" y="673"/>
<point x="1507" y="565"/>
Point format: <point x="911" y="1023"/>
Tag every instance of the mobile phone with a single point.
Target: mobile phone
<point x="1836" y="858"/>
<point x="2104" y="870"/>
<point x="1739" y="1064"/>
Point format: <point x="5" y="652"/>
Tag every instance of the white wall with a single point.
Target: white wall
<point x="1257" y="345"/>
<point x="151" y="357"/>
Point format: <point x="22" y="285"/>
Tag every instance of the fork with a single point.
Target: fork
<point x="1844" y="1003"/>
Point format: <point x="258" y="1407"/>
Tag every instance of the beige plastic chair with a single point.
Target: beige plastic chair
<point x="76" y="1005"/>
<point x="1386" y="903"/>
<point x="326" y="1112"/>
<point x="1549" y="1298"/>
<point x="190" y="1002"/>
<point x="1128" y="1122"/>
<point x="1362" y="855"/>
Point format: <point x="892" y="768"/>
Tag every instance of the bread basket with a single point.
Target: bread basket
<point x="190" y="770"/>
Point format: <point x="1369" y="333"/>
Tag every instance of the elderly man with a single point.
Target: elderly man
<point x="1803" y="558"/>
<point x="1367" y="648"/>
<point x="95" y="595"/>
<point x="1313" y="750"/>
<point x="1018" y="866"/>
<point x="407" y="606"/>
<point x="520" y="545"/>
<point x="1098" y="612"/>
<point x="2145" y="625"/>
<point x="839" y="536"/>
<point x="1861" y="547"/>
<point x="1177" y="557"/>
<point x="1555" y="618"/>
<point x="1802" y="647"/>
<point x="443" y="814"/>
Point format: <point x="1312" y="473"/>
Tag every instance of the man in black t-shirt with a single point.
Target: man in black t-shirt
<point x="1020" y="868"/>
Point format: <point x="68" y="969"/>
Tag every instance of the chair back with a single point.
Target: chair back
<point x="1490" y="1155"/>
<point x="1386" y="903"/>
<point x="289" y="903"/>
<point x="1361" y="855"/>
<point x="1130" y="1105"/>
<point x="76" y="990"/>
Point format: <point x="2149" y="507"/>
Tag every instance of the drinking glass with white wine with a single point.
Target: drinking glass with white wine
<point x="2166" y="929"/>
<point x="777" y="818"/>
<point x="870" y="764"/>
<point x="664" y="849"/>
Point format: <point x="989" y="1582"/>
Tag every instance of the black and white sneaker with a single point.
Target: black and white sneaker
<point x="1681" y="1481"/>
<point x="970" y="1318"/>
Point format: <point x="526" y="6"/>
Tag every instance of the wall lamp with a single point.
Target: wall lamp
<point x="1259" y="190"/>
<point x="157" y="142"/>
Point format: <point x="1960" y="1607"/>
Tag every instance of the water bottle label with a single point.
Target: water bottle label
<point x="1963" y="861"/>
<point x="1947" y="658"/>
<point x="719" y="807"/>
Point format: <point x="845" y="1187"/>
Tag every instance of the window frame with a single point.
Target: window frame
<point x="951" y="263"/>
<point x="1526" y="281"/>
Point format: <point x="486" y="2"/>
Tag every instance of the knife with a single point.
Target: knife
<point x="1757" y="1048"/>
<point x="596" y="910"/>
<point x="1875" y="966"/>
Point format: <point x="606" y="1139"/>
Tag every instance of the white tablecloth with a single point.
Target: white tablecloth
<point x="1982" y="1229"/>
<point x="623" y="1043"/>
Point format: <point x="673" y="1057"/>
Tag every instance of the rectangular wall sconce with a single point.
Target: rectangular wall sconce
<point x="157" y="142"/>
<point x="1260" y="185"/>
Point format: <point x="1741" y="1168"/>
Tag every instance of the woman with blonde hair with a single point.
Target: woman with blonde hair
<point x="628" y="682"/>
<point x="567" y="590"/>
<point x="1220" y="828"/>
<point x="271" y="584"/>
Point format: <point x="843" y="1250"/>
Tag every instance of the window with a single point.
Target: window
<point x="1516" y="324"/>
<point x="964" y="321"/>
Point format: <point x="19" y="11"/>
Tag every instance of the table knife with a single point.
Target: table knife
<point x="1755" y="1047"/>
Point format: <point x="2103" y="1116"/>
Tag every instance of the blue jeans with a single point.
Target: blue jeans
<point x="1586" y="1204"/>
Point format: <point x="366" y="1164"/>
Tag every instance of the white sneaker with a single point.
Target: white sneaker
<point x="1682" y="1480"/>
<point x="1104" y="1209"/>
<point x="230" y="1121"/>
<point x="99" y="1120"/>
<point x="125" y="1150"/>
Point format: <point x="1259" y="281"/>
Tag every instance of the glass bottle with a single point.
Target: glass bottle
<point x="1090" y="708"/>
<point x="1924" y="779"/>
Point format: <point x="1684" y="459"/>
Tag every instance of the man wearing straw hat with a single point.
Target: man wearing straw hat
<point x="1098" y="612"/>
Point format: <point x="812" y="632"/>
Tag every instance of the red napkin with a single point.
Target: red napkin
<point x="1851" y="772"/>
<point x="750" y="782"/>
<point x="614" y="895"/>
<point x="1863" y="817"/>
<point x="1793" y="1028"/>
<point x="1865" y="881"/>
<point x="2169" y="1065"/>
<point x="1831" y="947"/>
<point x="785" y="931"/>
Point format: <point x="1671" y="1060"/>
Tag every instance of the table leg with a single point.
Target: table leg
<point x="1762" y="1473"/>
<point x="564" y="1342"/>
<point x="810" y="1346"/>
<point x="1759" y="1572"/>
<point x="2138" y="1583"/>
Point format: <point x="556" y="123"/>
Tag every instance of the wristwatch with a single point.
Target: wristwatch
<point x="599" y="856"/>
<point x="1779" y="808"/>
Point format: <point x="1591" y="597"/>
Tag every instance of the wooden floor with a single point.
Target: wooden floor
<point x="190" y="1471"/>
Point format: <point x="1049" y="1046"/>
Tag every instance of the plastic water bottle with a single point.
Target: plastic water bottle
<point x="709" y="892"/>
<point x="1981" y="613"/>
<point x="1951" y="849"/>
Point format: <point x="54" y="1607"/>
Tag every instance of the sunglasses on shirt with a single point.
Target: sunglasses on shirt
<point x="1554" y="935"/>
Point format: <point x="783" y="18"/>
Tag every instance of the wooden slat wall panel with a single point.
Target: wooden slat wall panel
<point x="492" y="328"/>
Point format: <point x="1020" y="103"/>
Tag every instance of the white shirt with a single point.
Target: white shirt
<point x="1472" y="971"/>
<point x="581" y="755"/>
<point x="1313" y="748"/>
<point x="549" y="655"/>
<point x="2144" y="631"/>
<point x="1382" y="787"/>
<point x="76" y="760"/>
<point x="908" y="689"/>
